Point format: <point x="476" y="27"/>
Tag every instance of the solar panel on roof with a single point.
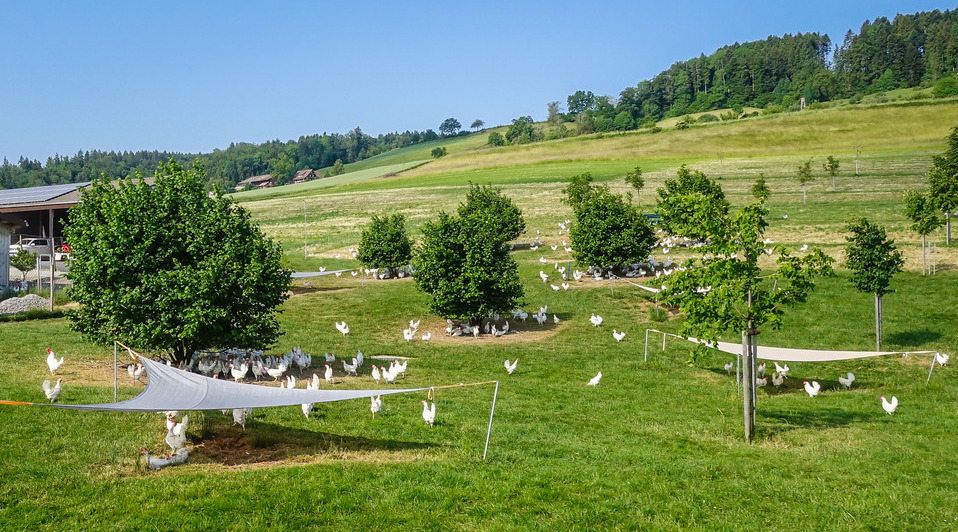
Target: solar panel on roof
<point x="36" y="194"/>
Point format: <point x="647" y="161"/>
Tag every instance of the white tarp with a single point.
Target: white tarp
<point x="174" y="389"/>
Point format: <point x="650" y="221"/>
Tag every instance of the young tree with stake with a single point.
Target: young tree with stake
<point x="874" y="260"/>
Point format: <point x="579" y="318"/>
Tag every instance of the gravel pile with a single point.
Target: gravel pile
<point x="16" y="305"/>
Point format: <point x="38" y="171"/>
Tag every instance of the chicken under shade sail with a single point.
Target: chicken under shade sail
<point x="174" y="389"/>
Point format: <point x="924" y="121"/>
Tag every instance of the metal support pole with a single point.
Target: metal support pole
<point x="305" y="254"/>
<point x="646" y="356"/>
<point x="492" y="413"/>
<point x="934" y="359"/>
<point x="663" y="341"/>
<point x="114" y="371"/>
<point x="52" y="268"/>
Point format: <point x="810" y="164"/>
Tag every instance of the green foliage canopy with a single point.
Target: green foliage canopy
<point x="24" y="261"/>
<point x="609" y="233"/>
<point x="922" y="213"/>
<point x="943" y="177"/>
<point x="450" y="126"/>
<point x="578" y="188"/>
<point x="463" y="262"/>
<point x="872" y="257"/>
<point x="384" y="243"/>
<point x="170" y="268"/>
<point x="683" y="199"/>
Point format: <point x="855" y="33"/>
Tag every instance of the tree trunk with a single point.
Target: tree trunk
<point x="748" y="383"/>
<point x="878" y="322"/>
<point x="948" y="228"/>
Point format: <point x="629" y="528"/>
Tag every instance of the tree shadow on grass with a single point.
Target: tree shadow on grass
<point x="776" y="420"/>
<point x="912" y="338"/>
<point x="262" y="443"/>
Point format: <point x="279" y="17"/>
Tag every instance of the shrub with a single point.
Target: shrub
<point x="729" y="115"/>
<point x="945" y="87"/>
<point x="496" y="139"/>
<point x="708" y="117"/>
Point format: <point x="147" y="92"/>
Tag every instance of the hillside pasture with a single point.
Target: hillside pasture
<point x="656" y="445"/>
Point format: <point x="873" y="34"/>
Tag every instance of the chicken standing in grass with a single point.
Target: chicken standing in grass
<point x="777" y="379"/>
<point x="618" y="335"/>
<point x="847" y="381"/>
<point x="54" y="392"/>
<point x="176" y="435"/>
<point x="781" y="370"/>
<point x="812" y="388"/>
<point x="429" y="413"/>
<point x="595" y="380"/>
<point x="52" y="361"/>
<point x="511" y="367"/>
<point x="889" y="406"/>
<point x="376" y="405"/>
<point x="729" y="367"/>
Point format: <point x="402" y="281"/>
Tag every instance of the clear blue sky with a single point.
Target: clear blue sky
<point x="194" y="76"/>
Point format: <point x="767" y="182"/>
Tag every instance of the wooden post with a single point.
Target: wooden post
<point x="748" y="383"/>
<point x="53" y="265"/>
<point x="877" y="322"/>
<point x="305" y="254"/>
<point x="923" y="268"/>
<point x="858" y="150"/>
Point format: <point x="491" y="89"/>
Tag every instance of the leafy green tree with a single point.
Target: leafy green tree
<point x="282" y="169"/>
<point x="804" y="177"/>
<point x="555" y="117"/>
<point x="168" y="267"/>
<point x="724" y="289"/>
<point x="450" y="126"/>
<point x="623" y="121"/>
<point x="584" y="124"/>
<point x="384" y="244"/>
<point x="496" y="139"/>
<point x="578" y="188"/>
<point x="580" y="101"/>
<point x="635" y="179"/>
<point x="609" y="233"/>
<point x="924" y="217"/>
<point x="685" y="122"/>
<point x="25" y="261"/>
<point x="463" y="262"/>
<point x="831" y="166"/>
<point x="681" y="200"/>
<point x="874" y="260"/>
<point x="438" y="152"/>
<point x="477" y="124"/>
<point x="947" y="86"/>
<point x="338" y="168"/>
<point x="760" y="189"/>
<point x="487" y="206"/>
<point x="943" y="181"/>
<point x="522" y="131"/>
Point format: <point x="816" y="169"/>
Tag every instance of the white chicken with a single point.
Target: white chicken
<point x="328" y="375"/>
<point x="618" y="335"/>
<point x="761" y="370"/>
<point x="330" y="358"/>
<point x="781" y="370"/>
<point x="595" y="380"/>
<point x="135" y="371"/>
<point x="239" y="373"/>
<point x="176" y="435"/>
<point x="409" y="334"/>
<point x="376" y="404"/>
<point x="276" y="372"/>
<point x="414" y="324"/>
<point x="940" y="358"/>
<point x="342" y="327"/>
<point x="52" y="361"/>
<point x="554" y="287"/>
<point x="889" y="406"/>
<point x="400" y="367"/>
<point x="239" y="417"/>
<point x="595" y="320"/>
<point x="812" y="388"/>
<point x="388" y="376"/>
<point x="426" y="336"/>
<point x="510" y="367"/>
<point x="543" y="276"/>
<point x="429" y="413"/>
<point x="375" y="374"/>
<point x="729" y="367"/>
<point x="777" y="379"/>
<point x="565" y="286"/>
<point x="761" y="382"/>
<point x="350" y="369"/>
<point x="54" y="392"/>
<point x="847" y="381"/>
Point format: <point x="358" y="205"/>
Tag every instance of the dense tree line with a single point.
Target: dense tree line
<point x="224" y="167"/>
<point x="776" y="73"/>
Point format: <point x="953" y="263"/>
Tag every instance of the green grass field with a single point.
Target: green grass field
<point x="657" y="445"/>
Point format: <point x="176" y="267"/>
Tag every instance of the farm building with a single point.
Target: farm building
<point x="257" y="181"/>
<point x="303" y="176"/>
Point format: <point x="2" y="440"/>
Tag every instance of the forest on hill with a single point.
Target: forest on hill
<point x="917" y="50"/>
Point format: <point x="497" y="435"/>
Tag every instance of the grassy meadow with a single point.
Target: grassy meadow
<point x="657" y="445"/>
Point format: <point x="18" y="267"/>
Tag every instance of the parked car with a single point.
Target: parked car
<point x="33" y="245"/>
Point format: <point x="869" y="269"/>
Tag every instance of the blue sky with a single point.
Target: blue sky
<point x="178" y="76"/>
